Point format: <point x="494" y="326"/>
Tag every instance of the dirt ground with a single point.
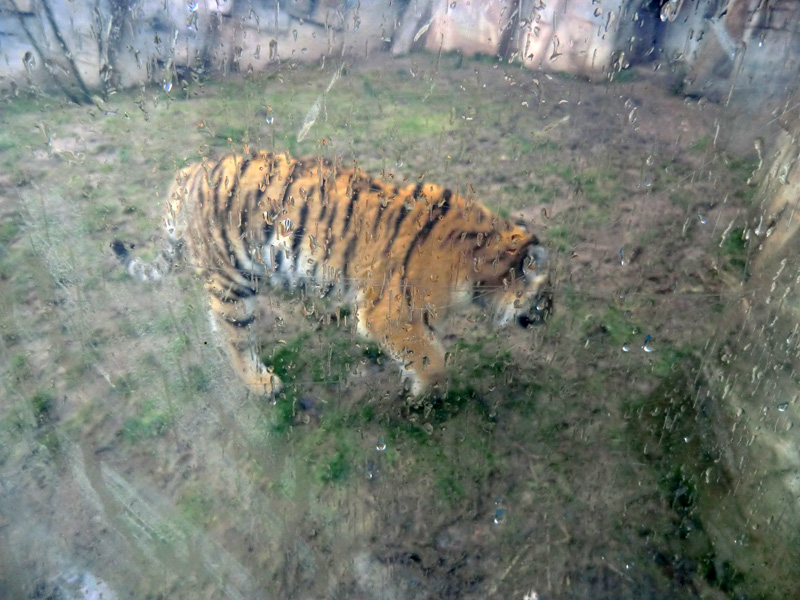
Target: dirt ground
<point x="134" y="464"/>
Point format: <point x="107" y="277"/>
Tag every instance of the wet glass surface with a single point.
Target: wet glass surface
<point x="640" y="443"/>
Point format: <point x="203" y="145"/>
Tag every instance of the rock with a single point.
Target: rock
<point x="477" y="27"/>
<point x="575" y="37"/>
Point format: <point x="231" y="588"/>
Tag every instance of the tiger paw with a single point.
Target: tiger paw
<point x="266" y="383"/>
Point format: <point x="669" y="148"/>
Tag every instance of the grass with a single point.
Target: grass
<point x="152" y="421"/>
<point x="139" y="364"/>
<point x="42" y="405"/>
<point x="734" y="251"/>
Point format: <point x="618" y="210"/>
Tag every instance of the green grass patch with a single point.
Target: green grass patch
<point x="197" y="507"/>
<point x="151" y="422"/>
<point x="734" y="251"/>
<point x="701" y="145"/>
<point x="560" y="236"/>
<point x="42" y="404"/>
<point x="614" y="327"/>
<point x="624" y="76"/>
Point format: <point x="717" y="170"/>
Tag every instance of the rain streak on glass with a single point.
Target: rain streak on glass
<point x="665" y="129"/>
<point x="499" y="512"/>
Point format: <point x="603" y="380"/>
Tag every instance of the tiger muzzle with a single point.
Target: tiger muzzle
<point x="539" y="312"/>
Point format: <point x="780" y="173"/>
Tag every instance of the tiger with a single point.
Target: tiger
<point x="399" y="254"/>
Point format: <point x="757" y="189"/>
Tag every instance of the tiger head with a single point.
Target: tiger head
<point x="520" y="291"/>
<point x="534" y="304"/>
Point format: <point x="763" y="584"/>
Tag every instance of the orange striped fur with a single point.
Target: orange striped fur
<point x="399" y="253"/>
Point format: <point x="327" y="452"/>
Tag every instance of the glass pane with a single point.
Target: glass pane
<point x="399" y="299"/>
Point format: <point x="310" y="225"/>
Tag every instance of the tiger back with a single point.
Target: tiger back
<point x="397" y="253"/>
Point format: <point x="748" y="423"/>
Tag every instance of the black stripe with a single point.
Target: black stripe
<point x="244" y="217"/>
<point x="285" y="195"/>
<point x="403" y="213"/>
<point x="263" y="192"/>
<point x="214" y="175"/>
<point x="408" y="295"/>
<point x="417" y="191"/>
<point x="225" y="282"/>
<point x="353" y="199"/>
<point x="208" y="194"/>
<point x="447" y="195"/>
<point x="287" y="183"/>
<point x="301" y="227"/>
<point x="348" y="254"/>
<point x="299" y="233"/>
<point x="239" y="323"/>
<point x="233" y="294"/>
<point x="225" y="221"/>
<point x="332" y="240"/>
<point x="456" y="236"/>
<point x="423" y="233"/>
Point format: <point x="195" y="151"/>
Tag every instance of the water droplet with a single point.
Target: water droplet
<point x="647" y="346"/>
<point x="622" y="260"/>
<point x="269" y="119"/>
<point x="168" y="86"/>
<point x="626" y="347"/>
<point x="499" y="512"/>
<point x="701" y="218"/>
<point x="670" y="9"/>
<point x="650" y="161"/>
<point x="193" y="5"/>
<point x="783" y="406"/>
<point x="381" y="445"/>
<point x="371" y="471"/>
<point x="29" y="60"/>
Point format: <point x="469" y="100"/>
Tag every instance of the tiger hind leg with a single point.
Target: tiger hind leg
<point x="236" y="322"/>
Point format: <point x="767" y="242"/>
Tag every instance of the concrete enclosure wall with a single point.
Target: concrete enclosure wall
<point x="743" y="51"/>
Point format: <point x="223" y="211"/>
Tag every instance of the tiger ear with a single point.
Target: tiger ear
<point x="535" y="257"/>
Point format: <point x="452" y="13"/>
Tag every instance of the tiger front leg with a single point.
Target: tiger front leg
<point x="235" y="319"/>
<point x="413" y="345"/>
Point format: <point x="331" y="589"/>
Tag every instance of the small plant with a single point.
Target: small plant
<point x="734" y="251"/>
<point x="42" y="404"/>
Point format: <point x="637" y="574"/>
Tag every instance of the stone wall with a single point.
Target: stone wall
<point x="754" y="363"/>
<point x="742" y="51"/>
<point x="89" y="46"/>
